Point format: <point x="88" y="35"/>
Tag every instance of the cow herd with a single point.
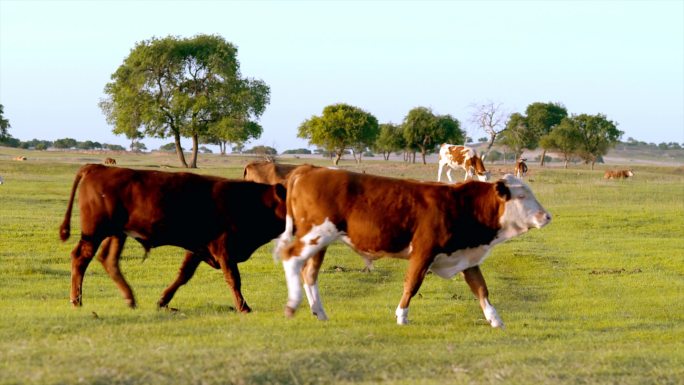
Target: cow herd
<point x="441" y="228"/>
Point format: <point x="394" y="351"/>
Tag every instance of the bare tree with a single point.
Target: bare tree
<point x="490" y="118"/>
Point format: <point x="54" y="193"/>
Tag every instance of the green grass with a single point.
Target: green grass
<point x="594" y="298"/>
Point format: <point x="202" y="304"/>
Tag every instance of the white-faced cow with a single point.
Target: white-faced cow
<point x="618" y="174"/>
<point x="437" y="227"/>
<point x="521" y="168"/>
<point x="268" y="172"/>
<point x="218" y="221"/>
<point x="461" y="157"/>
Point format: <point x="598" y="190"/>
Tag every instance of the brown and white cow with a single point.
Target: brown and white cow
<point x="218" y="221"/>
<point x="521" y="168"/>
<point x="463" y="157"/>
<point x="268" y="172"/>
<point x="110" y="161"/>
<point x="437" y="227"/>
<point x="618" y="174"/>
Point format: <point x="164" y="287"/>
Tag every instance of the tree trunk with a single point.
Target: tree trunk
<point x="414" y="157"/>
<point x="337" y="157"/>
<point x="179" y="150"/>
<point x="386" y="155"/>
<point x="542" y="159"/>
<point x="422" y="153"/>
<point x="195" y="145"/>
<point x="592" y="165"/>
<point x="566" y="162"/>
<point x="492" y="138"/>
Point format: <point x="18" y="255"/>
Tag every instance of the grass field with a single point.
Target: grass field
<point x="596" y="297"/>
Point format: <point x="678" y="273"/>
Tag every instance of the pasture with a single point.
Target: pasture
<point x="596" y="297"/>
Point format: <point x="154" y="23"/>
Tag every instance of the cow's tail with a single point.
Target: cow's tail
<point x="65" y="228"/>
<point x="284" y="241"/>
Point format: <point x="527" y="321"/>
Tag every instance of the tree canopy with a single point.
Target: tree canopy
<point x="597" y="135"/>
<point x="389" y="139"/>
<point x="340" y="127"/>
<point x="424" y="130"/>
<point x="173" y="87"/>
<point x="4" y="124"/>
<point x="564" y="138"/>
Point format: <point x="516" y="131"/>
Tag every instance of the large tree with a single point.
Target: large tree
<point x="173" y="87"/>
<point x="340" y="127"/>
<point x="518" y="136"/>
<point x="424" y="130"/>
<point x="4" y="124"/>
<point x="542" y="118"/>
<point x="597" y="135"/>
<point x="490" y="118"/>
<point x="389" y="139"/>
<point x="564" y="138"/>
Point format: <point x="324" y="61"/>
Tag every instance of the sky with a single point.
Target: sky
<point x="624" y="59"/>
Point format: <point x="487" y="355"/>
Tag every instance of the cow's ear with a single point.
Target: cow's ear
<point x="280" y="191"/>
<point x="503" y="190"/>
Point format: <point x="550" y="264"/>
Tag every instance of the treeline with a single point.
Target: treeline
<point x="62" y="144"/>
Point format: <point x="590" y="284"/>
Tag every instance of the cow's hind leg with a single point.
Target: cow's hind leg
<point x="296" y="255"/>
<point x="80" y="259"/>
<point x="310" y="278"/>
<point x="474" y="279"/>
<point x="418" y="267"/>
<point x="187" y="270"/>
<point x="109" y="257"/>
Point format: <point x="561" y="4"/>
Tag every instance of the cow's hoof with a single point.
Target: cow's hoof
<point x="75" y="303"/>
<point x="321" y="316"/>
<point x="131" y="303"/>
<point x="289" y="312"/>
<point x="245" y="309"/>
<point x="402" y="321"/>
<point x="497" y="323"/>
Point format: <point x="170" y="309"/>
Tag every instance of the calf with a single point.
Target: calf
<point x="268" y="172"/>
<point x="437" y="227"/>
<point x="218" y="221"/>
<point x="110" y="161"/>
<point x="520" y="168"/>
<point x="463" y="157"/>
<point x="618" y="174"/>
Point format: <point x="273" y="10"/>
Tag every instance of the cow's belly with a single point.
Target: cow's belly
<point x="448" y="265"/>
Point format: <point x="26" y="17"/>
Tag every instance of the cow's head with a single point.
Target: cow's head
<point x="522" y="210"/>
<point x="629" y="173"/>
<point x="482" y="176"/>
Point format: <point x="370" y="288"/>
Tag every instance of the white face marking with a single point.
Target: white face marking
<point x="522" y="212"/>
<point x="448" y="265"/>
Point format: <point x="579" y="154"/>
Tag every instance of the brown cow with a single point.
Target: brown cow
<point x="20" y="158"/>
<point x="521" y="168"/>
<point x="443" y="228"/>
<point x="618" y="174"/>
<point x="463" y="157"/>
<point x="268" y="172"/>
<point x="218" y="221"/>
<point x="110" y="161"/>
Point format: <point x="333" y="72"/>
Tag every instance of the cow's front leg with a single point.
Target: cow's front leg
<point x="187" y="270"/>
<point x="310" y="278"/>
<point x="418" y="267"/>
<point x="473" y="276"/>
<point x="232" y="277"/>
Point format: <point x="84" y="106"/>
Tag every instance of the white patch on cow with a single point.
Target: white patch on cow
<point x="313" y="241"/>
<point x="492" y="316"/>
<point x="448" y="265"/>
<point x="315" y="303"/>
<point x="402" y="316"/>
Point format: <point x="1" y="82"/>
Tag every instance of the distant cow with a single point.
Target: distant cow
<point x="268" y="172"/>
<point x="461" y="157"/>
<point x="110" y="161"/>
<point x="218" y="221"/>
<point x="618" y="174"/>
<point x="437" y="227"/>
<point x="20" y="158"/>
<point x="520" y="168"/>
